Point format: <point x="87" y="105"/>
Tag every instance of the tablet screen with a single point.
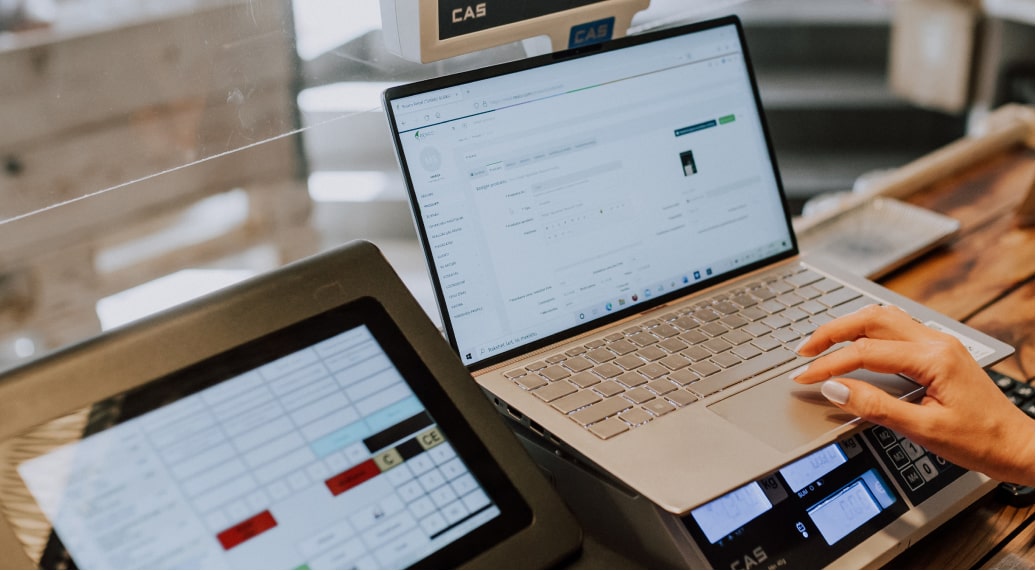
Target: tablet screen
<point x="323" y="445"/>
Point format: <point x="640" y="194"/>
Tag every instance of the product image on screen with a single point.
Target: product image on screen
<point x="324" y="457"/>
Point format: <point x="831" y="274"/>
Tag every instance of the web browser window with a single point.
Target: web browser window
<point x="556" y="195"/>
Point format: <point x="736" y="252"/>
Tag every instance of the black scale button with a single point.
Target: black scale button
<point x="912" y="477"/>
<point x="885" y="436"/>
<point x="898" y="457"/>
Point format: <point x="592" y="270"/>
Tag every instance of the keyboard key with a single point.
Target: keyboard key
<point x="601" y="410"/>
<point x="555" y="359"/>
<point x="575" y="351"/>
<point x="639" y="395"/>
<point x="726" y="360"/>
<point x="636" y="416"/>
<point x="673" y="345"/>
<point x="555" y="373"/>
<point x="554" y="391"/>
<point x="705" y="315"/>
<point x="665" y="331"/>
<point x="576" y="364"/>
<point x="803" y="327"/>
<point x="693" y="337"/>
<point x="767" y="343"/>
<point x="821" y="319"/>
<point x="746" y="351"/>
<point x="609" y="388"/>
<point x="781" y="287"/>
<point x="653" y="370"/>
<point x="536" y="366"/>
<point x="696" y="353"/>
<point x="609" y="428"/>
<point x="608" y="370"/>
<point x="716" y="345"/>
<point x="827" y="285"/>
<point x="738" y="373"/>
<point x="600" y="355"/>
<point x="596" y="343"/>
<point x="803" y="278"/>
<point x="705" y="368"/>
<point x="725" y="308"/>
<point x="651" y="353"/>
<point x="851" y="306"/>
<point x="794" y="314"/>
<point x="772" y="306"/>
<point x="809" y="292"/>
<point x="632" y="379"/>
<point x="813" y="307"/>
<point x="613" y="337"/>
<point x="737" y="337"/>
<point x="531" y="382"/>
<point x="775" y="322"/>
<point x="684" y="377"/>
<point x="661" y="386"/>
<point x="714" y="329"/>
<point x="744" y="300"/>
<point x="675" y="362"/>
<point x="756" y="329"/>
<point x="681" y="398"/>
<point x="575" y="401"/>
<point x="584" y="379"/>
<point x="629" y="362"/>
<point x="790" y="299"/>
<point x="659" y="407"/>
<point x="786" y="335"/>
<point x="734" y="321"/>
<point x="644" y="339"/>
<point x="753" y="314"/>
<point x="686" y="323"/>
<point x="622" y="347"/>
<point x="838" y="297"/>
<point x="762" y="293"/>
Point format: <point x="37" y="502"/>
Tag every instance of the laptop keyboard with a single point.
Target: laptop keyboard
<point x="625" y="379"/>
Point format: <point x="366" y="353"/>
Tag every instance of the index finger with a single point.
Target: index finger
<point x="874" y="321"/>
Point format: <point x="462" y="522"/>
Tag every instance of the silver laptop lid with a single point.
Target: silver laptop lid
<point x="557" y="193"/>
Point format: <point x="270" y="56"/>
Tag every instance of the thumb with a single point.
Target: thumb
<point x="872" y="404"/>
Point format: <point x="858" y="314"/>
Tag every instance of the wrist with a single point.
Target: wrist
<point x="1018" y="447"/>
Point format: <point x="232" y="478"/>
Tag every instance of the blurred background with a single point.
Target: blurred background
<point x="155" y="150"/>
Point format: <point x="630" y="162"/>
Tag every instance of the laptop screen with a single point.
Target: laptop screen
<point x="555" y="193"/>
<point x="320" y="446"/>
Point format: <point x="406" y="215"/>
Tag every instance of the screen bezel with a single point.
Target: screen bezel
<point x="416" y="88"/>
<point x="365" y="311"/>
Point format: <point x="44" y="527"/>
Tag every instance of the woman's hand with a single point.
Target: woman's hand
<point x="963" y="416"/>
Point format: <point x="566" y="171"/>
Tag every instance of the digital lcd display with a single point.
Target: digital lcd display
<point x="844" y="511"/>
<point x="805" y="471"/>
<point x="721" y="516"/>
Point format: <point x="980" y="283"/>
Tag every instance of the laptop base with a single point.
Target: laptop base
<point x="639" y="531"/>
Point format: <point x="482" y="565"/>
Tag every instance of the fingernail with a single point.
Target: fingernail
<point x="804" y="341"/>
<point x="835" y="392"/>
<point x="795" y="374"/>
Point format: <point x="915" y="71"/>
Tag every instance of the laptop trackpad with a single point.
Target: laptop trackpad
<point x="786" y="415"/>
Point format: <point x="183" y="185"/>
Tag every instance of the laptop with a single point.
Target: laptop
<point x="614" y="261"/>
<point x="312" y="417"/>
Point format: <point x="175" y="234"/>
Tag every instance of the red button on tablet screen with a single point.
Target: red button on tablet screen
<point x="246" y="530"/>
<point x="352" y="477"/>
